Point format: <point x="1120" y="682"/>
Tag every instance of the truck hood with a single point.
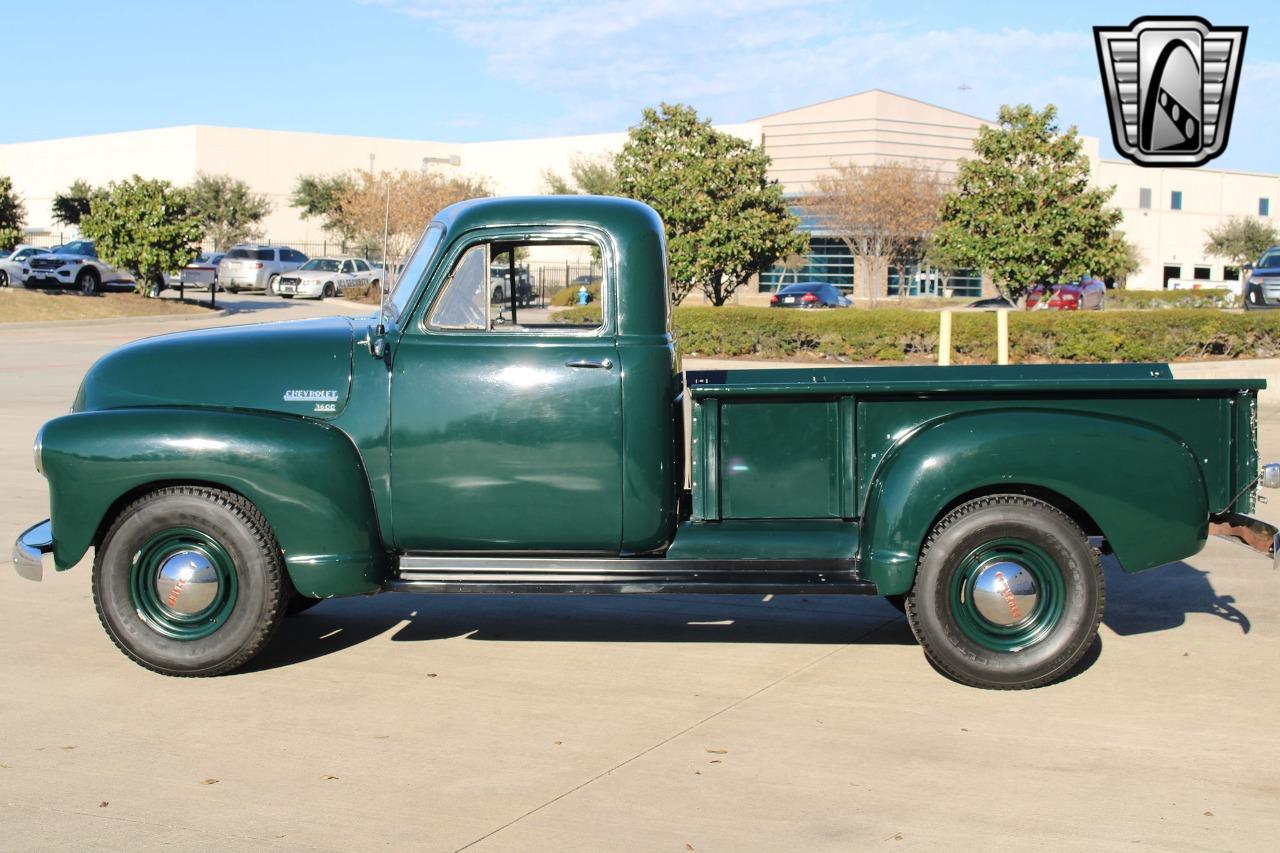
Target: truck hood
<point x="300" y="367"/>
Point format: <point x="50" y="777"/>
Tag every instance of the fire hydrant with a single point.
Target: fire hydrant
<point x="584" y="295"/>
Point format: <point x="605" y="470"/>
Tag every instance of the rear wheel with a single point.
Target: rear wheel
<point x="189" y="581"/>
<point x="1008" y="593"/>
<point x="4" y="279"/>
<point x="271" y="284"/>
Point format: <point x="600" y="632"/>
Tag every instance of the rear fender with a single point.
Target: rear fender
<point x="1140" y="485"/>
<point x="305" y="477"/>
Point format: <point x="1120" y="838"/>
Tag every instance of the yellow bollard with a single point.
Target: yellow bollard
<point x="1002" y="336"/>
<point x="944" y="339"/>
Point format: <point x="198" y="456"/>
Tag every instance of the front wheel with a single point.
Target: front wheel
<point x="189" y="581"/>
<point x="329" y="292"/>
<point x="1008" y="593"/>
<point x="4" y="279"/>
<point x="87" y="282"/>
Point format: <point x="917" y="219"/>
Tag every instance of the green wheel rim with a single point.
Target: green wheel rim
<point x="1019" y="629"/>
<point x="161" y="553"/>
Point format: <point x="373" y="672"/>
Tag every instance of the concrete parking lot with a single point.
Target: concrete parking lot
<point x="445" y="723"/>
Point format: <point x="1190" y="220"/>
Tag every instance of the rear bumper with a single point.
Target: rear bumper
<point x="30" y="550"/>
<point x="1253" y="533"/>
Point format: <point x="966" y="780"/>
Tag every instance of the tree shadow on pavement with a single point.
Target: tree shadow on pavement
<point x="1161" y="598"/>
<point x="342" y="623"/>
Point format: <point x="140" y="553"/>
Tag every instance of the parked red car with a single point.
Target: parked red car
<point x="1087" y="294"/>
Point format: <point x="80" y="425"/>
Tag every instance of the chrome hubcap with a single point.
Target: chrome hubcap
<point x="187" y="583"/>
<point x="1005" y="593"/>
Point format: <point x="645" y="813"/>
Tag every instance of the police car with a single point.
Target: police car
<point x="321" y="278"/>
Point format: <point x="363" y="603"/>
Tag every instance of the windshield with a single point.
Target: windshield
<point x="322" y="264"/>
<point x="1270" y="260"/>
<point x="411" y="276"/>
<point x="79" y="247"/>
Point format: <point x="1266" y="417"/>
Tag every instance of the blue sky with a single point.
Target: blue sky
<point x="471" y="70"/>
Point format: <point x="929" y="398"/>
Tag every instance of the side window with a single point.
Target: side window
<point x="347" y="267"/>
<point x="361" y="266"/>
<point x="524" y="286"/>
<point x="463" y="302"/>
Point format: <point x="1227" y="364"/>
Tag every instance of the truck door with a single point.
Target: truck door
<point x="505" y="428"/>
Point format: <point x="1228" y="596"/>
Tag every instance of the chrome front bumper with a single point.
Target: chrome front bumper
<point x="30" y="550"/>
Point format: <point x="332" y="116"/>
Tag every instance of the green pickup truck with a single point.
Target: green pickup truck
<point x="227" y="477"/>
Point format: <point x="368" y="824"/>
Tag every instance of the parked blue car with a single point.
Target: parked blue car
<point x="809" y="294"/>
<point x="1262" y="290"/>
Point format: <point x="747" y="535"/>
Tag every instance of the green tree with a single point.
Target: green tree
<point x="1023" y="209"/>
<point x="228" y="210"/>
<point x="725" y="220"/>
<point x="1241" y="240"/>
<point x="71" y="206"/>
<point x="322" y="197"/>
<point x="147" y="226"/>
<point x="590" y="174"/>
<point x="13" y="214"/>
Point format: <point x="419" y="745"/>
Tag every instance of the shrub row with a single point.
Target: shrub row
<point x="1148" y="299"/>
<point x="1037" y="336"/>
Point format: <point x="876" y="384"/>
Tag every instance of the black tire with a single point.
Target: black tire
<point x="329" y="292"/>
<point x="256" y="574"/>
<point x="271" y="284"/>
<point x="4" y="279"/>
<point x="87" y="282"/>
<point x="977" y="540"/>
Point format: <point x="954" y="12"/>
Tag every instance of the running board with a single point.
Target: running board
<point x="563" y="575"/>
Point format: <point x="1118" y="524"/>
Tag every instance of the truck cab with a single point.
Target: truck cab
<point x="455" y="445"/>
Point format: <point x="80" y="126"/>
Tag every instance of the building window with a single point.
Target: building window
<point x="1175" y="200"/>
<point x="1171" y="272"/>
<point x="1231" y="273"/>
<point x="1144" y="198"/>
<point x="1264" y="207"/>
<point x="829" y="261"/>
<point x="1203" y="273"/>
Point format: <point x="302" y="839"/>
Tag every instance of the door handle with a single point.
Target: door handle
<point x="602" y="363"/>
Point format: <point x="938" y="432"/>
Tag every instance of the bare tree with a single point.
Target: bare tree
<point x="403" y="201"/>
<point x="881" y="213"/>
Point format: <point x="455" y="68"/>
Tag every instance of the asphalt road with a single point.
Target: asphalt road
<point x="443" y="723"/>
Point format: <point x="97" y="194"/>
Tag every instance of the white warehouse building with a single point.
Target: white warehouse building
<point x="1166" y="211"/>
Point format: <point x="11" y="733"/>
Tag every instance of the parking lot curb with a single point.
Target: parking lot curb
<point x="102" y="321"/>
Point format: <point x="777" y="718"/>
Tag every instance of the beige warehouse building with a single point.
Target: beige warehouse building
<point x="1166" y="211"/>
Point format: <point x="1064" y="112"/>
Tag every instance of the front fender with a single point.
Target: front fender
<point x="1142" y="487"/>
<point x="305" y="477"/>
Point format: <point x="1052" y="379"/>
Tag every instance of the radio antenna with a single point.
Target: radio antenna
<point x="386" y="269"/>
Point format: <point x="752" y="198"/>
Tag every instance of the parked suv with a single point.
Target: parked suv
<point x="253" y="266"/>
<point x="11" y="263"/>
<point x="75" y="264"/>
<point x="1262" y="290"/>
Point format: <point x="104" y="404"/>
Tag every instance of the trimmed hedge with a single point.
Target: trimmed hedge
<point x="1036" y="336"/>
<point x="1148" y="299"/>
<point x="579" y="314"/>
